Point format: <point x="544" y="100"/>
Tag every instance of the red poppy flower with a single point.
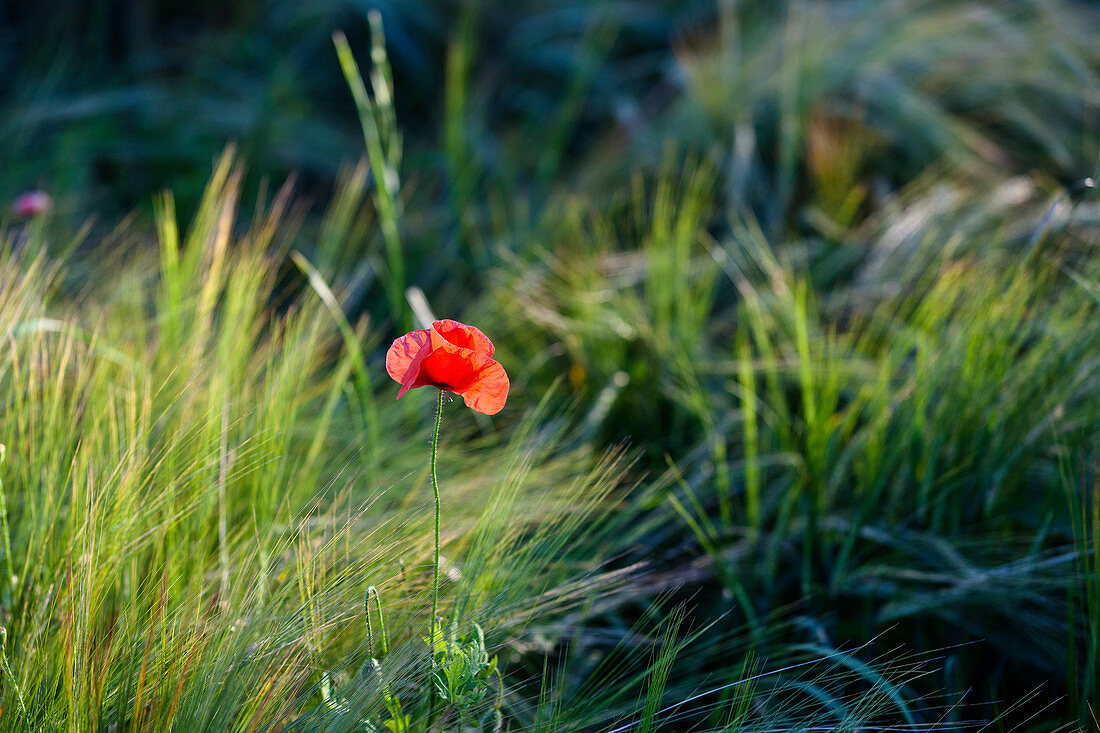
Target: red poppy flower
<point x="454" y="357"/>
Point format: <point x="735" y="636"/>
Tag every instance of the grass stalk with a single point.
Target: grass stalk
<point x="383" y="153"/>
<point x="9" y="578"/>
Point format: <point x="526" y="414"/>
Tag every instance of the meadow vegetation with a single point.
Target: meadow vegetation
<point x="800" y="303"/>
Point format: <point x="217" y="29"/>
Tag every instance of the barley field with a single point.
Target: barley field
<point x="752" y="357"/>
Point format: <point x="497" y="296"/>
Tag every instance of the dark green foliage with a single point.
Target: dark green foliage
<point x="828" y="270"/>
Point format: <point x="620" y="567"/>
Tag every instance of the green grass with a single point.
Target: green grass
<point x="194" y="518"/>
<point x="801" y="314"/>
<point x="195" y="514"/>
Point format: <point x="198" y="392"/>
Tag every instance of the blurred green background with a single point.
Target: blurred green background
<point x="107" y="102"/>
<point x="828" y="268"/>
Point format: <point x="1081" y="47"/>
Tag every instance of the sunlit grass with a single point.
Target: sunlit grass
<point x="800" y="312"/>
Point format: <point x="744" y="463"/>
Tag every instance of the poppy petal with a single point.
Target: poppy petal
<point x="451" y="368"/>
<point x="402" y="353"/>
<point x="462" y="336"/>
<point x="489" y="391"/>
<point x="416" y="376"/>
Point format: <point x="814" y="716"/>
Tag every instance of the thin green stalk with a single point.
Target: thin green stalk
<point x="370" y="629"/>
<point x="435" y="564"/>
<point x="383" y="154"/>
<point x="4" y="527"/>
<point x="11" y="675"/>
<point x="223" y="512"/>
<point x="435" y="488"/>
<point x="384" y="644"/>
<point x="750" y="432"/>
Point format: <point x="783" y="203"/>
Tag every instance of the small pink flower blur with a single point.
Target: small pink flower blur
<point x="32" y="204"/>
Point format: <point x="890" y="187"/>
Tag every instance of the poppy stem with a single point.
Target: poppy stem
<point x="435" y="565"/>
<point x="435" y="488"/>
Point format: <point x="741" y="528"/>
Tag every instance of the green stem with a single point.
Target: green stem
<point x="435" y="565"/>
<point x="435" y="488"/>
<point x="7" y="671"/>
<point x="10" y="579"/>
